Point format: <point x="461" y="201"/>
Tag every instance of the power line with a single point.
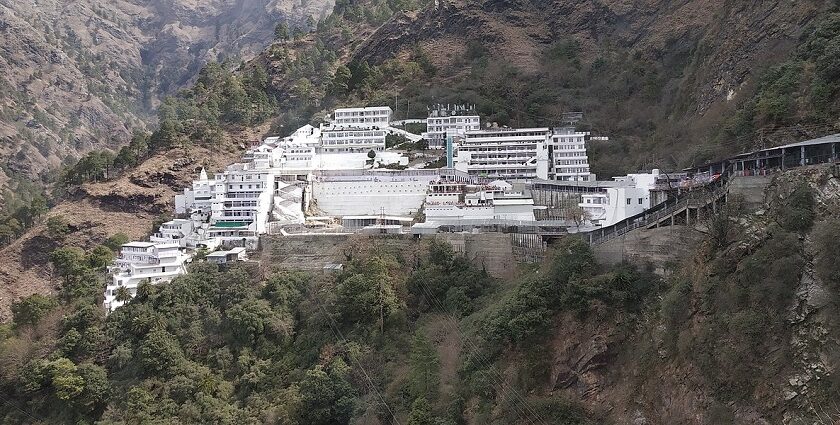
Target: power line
<point x="339" y="335"/>
<point x="534" y="416"/>
<point x="11" y="403"/>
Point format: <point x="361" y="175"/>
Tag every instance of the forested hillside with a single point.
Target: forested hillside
<point x="82" y="75"/>
<point x="745" y="332"/>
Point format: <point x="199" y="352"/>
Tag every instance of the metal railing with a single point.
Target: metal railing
<point x="693" y="199"/>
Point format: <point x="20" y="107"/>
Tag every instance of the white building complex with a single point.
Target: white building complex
<point x="628" y="196"/>
<point x="369" y="117"/>
<point x="449" y="121"/>
<point x="143" y="262"/>
<point x="525" y="153"/>
<point x="318" y="177"/>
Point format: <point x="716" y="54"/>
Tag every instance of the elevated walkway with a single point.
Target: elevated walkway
<point x="685" y="210"/>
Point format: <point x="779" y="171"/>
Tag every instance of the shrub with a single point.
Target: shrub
<point x="796" y="211"/>
<point x="827" y="261"/>
<point x="57" y="227"/>
<point x="31" y="309"/>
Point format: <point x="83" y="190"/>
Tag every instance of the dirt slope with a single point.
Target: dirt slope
<point x="128" y="204"/>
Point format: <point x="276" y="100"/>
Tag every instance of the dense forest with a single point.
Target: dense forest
<point x="230" y="346"/>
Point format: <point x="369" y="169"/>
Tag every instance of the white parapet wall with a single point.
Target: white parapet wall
<point x="401" y="196"/>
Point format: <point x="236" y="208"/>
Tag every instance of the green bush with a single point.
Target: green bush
<point x="827" y="261"/>
<point x="30" y="310"/>
<point x="57" y="227"/>
<point x="796" y="211"/>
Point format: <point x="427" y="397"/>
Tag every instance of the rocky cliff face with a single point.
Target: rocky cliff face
<point x="81" y="75"/>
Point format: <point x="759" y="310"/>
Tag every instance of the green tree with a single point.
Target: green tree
<point x="116" y="241"/>
<point x="357" y="299"/>
<point x="122" y="294"/>
<point x="31" y="309"/>
<point x="160" y="352"/>
<point x="281" y="31"/>
<point x="248" y="319"/>
<point x="421" y="413"/>
<point x="425" y="366"/>
<point x="69" y="261"/>
<point x="38" y="206"/>
<point x="57" y="227"/>
<point x="327" y="398"/>
<point x="101" y="257"/>
<point x="96" y="386"/>
<point x="341" y="80"/>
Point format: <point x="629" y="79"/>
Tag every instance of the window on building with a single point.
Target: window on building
<point x="629" y="201"/>
<point x="641" y="200"/>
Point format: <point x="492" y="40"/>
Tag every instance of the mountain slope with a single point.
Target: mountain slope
<point x="81" y="75"/>
<point x="660" y="77"/>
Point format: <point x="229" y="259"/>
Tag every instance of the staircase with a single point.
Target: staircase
<point x="671" y="212"/>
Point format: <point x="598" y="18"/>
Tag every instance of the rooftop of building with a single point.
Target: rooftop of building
<point x="492" y="130"/>
<point x="366" y="108"/>
<point x="138" y="244"/>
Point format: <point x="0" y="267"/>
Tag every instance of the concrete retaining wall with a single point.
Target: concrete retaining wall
<point x="750" y="189"/>
<point x="662" y="247"/>
<point x="492" y="251"/>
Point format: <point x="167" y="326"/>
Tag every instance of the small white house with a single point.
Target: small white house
<point x="143" y="262"/>
<point x="630" y="196"/>
<point x="229" y="256"/>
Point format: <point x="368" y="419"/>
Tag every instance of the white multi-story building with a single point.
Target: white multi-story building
<point x="569" y="161"/>
<point x="199" y="197"/>
<point x="505" y="153"/>
<point x="143" y="262"/>
<point x="525" y="153"/>
<point x="371" y="117"/>
<point x="629" y="195"/>
<point x="344" y="139"/>
<point x="444" y="122"/>
<point x="241" y="205"/>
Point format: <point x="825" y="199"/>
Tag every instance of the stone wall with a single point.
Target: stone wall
<point x="492" y="251"/>
<point x="662" y="247"/>
<point x="750" y="189"/>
